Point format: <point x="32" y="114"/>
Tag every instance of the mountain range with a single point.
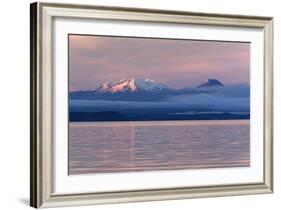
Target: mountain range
<point x="142" y="90"/>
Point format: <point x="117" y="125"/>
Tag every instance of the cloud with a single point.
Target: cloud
<point x="183" y="102"/>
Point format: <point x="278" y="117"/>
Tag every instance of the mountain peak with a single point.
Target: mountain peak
<point x="211" y="83"/>
<point x="124" y="85"/>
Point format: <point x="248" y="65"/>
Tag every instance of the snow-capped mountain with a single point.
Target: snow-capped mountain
<point x="130" y="85"/>
<point x="211" y="83"/>
<point x="145" y="90"/>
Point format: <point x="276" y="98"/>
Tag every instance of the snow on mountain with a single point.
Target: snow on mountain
<point x="130" y="85"/>
<point x="210" y="83"/>
<point x="124" y="85"/>
<point x="150" y="85"/>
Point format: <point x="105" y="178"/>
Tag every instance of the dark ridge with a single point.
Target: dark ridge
<point x="116" y="116"/>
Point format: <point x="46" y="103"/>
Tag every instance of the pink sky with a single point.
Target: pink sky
<point x="94" y="60"/>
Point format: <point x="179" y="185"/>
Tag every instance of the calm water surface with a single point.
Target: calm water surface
<point x="100" y="147"/>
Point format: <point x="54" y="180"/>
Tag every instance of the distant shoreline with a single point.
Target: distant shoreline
<point x="111" y="116"/>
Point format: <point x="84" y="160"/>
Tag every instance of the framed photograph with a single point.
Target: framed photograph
<point x="138" y="105"/>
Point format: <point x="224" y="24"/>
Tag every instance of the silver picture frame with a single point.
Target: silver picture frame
<point x="41" y="143"/>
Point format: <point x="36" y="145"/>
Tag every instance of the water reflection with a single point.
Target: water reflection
<point x="139" y="146"/>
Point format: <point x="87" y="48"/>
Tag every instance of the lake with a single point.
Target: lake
<point x="103" y="147"/>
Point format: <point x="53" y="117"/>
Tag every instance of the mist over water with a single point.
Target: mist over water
<point x="192" y="101"/>
<point x="101" y="147"/>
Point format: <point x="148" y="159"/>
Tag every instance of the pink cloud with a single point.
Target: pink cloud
<point x="95" y="59"/>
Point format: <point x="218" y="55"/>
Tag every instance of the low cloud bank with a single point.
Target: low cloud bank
<point x="203" y="101"/>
